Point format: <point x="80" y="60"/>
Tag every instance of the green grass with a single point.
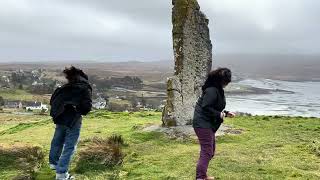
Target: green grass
<point x="22" y="95"/>
<point x="268" y="148"/>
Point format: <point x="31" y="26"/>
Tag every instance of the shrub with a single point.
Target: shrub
<point x="30" y="158"/>
<point x="119" y="106"/>
<point x="315" y="147"/>
<point x="101" y="152"/>
<point x="27" y="159"/>
<point x="116" y="139"/>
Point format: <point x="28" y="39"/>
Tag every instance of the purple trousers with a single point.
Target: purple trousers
<point x="208" y="145"/>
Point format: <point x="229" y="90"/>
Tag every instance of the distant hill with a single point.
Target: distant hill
<point x="280" y="67"/>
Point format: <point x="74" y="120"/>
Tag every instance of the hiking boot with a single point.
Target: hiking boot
<point x="64" y="176"/>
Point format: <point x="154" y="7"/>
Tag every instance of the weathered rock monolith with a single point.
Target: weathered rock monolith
<point x="193" y="60"/>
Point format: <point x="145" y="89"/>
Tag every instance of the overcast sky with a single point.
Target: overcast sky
<point x="120" y="30"/>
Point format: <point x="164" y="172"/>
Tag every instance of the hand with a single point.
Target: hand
<point x="222" y="115"/>
<point x="231" y="115"/>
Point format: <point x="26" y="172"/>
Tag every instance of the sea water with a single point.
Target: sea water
<point x="302" y="100"/>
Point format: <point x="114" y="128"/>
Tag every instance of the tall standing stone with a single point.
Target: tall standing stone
<point x="193" y="60"/>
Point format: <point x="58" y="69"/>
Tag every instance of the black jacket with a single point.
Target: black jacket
<point x="208" y="109"/>
<point x="71" y="101"/>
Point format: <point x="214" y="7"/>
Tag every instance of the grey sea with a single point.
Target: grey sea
<point x="286" y="98"/>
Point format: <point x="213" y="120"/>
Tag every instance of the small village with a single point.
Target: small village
<point x="26" y="105"/>
<point x="29" y="90"/>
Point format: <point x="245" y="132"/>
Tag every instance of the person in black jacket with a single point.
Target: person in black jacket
<point x="68" y="104"/>
<point x="208" y="116"/>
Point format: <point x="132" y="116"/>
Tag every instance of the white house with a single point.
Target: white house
<point x="37" y="106"/>
<point x="99" y="103"/>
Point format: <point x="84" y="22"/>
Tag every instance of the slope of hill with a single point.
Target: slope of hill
<point x="268" y="148"/>
<point x="278" y="67"/>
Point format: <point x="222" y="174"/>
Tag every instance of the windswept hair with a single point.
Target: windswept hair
<point x="218" y="78"/>
<point x="73" y="74"/>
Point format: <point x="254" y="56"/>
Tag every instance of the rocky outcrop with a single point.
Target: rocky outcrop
<point x="193" y="61"/>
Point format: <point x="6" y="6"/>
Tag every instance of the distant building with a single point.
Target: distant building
<point x="13" y="104"/>
<point x="4" y="82"/>
<point x="36" y="106"/>
<point x="139" y="105"/>
<point x="161" y="106"/>
<point x="99" y="103"/>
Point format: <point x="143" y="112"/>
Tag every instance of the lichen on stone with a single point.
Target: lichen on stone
<point x="193" y="59"/>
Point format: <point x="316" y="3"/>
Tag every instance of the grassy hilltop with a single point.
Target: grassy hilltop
<point x="268" y="148"/>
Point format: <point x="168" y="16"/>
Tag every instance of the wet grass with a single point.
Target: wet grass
<point x="268" y="148"/>
<point x="20" y="162"/>
<point x="23" y="126"/>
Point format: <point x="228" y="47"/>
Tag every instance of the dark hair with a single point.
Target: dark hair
<point x="218" y="78"/>
<point x="73" y="74"/>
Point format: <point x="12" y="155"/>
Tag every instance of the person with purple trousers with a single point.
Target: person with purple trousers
<point x="209" y="115"/>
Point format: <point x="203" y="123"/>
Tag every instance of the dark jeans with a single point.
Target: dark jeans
<point x="63" y="146"/>
<point x="208" y="145"/>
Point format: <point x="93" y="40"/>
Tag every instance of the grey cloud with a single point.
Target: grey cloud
<point x="141" y="29"/>
<point x="283" y="26"/>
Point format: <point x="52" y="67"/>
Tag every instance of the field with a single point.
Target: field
<point x="268" y="148"/>
<point x="22" y="95"/>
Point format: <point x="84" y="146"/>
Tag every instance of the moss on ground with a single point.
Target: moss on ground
<point x="268" y="148"/>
